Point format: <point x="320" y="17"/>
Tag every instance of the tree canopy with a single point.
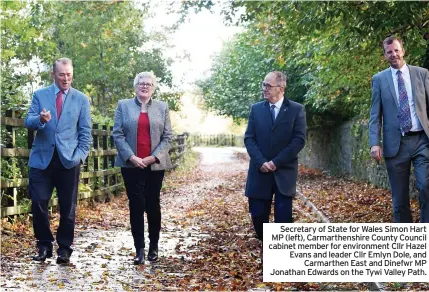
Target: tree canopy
<point x="104" y="40"/>
<point x="329" y="50"/>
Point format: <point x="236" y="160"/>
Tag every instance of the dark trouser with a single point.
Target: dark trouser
<point x="143" y="188"/>
<point x="260" y="210"/>
<point x="413" y="149"/>
<point x="42" y="184"/>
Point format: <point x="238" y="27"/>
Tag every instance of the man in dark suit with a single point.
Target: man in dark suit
<point x="274" y="136"/>
<point x="61" y="116"/>
<point x="400" y="103"/>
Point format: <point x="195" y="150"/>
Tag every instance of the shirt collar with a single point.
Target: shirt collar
<point x="56" y="89"/>
<point x="278" y="104"/>
<point x="140" y="104"/>
<point x="404" y="69"/>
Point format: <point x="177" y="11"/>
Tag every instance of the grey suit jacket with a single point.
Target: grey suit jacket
<point x="70" y="135"/>
<point x="384" y="108"/>
<point x="125" y="132"/>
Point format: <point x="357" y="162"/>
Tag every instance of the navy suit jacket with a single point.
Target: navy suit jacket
<point x="279" y="142"/>
<point x="70" y="135"/>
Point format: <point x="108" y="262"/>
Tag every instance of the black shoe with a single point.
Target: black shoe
<point x="139" y="259"/>
<point x="43" y="254"/>
<point x="152" y="255"/>
<point x="63" y="257"/>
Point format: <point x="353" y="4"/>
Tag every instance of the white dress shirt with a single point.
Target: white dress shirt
<point x="278" y="106"/>
<point x="65" y="92"/>
<point x="416" y="126"/>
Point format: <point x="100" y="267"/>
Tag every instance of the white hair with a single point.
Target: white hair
<point x="63" y="61"/>
<point x="142" y="75"/>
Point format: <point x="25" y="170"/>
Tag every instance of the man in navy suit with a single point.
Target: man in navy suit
<point x="61" y="116"/>
<point x="400" y="104"/>
<point x="274" y="136"/>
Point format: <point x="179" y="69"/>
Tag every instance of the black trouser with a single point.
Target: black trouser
<point x="260" y="211"/>
<point x="42" y="184"/>
<point x="143" y="188"/>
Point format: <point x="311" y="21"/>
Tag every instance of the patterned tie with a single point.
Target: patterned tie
<point x="273" y="113"/>
<point x="59" y="102"/>
<point x="404" y="107"/>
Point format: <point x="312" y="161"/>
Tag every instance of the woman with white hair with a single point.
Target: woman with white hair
<point x="142" y="133"/>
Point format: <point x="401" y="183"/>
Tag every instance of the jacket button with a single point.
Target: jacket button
<point x="53" y="145"/>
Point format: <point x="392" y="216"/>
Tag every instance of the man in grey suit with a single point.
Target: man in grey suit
<point x="400" y="105"/>
<point x="61" y="116"/>
<point x="274" y="136"/>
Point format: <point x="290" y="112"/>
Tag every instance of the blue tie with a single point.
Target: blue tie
<point x="273" y="113"/>
<point x="404" y="107"/>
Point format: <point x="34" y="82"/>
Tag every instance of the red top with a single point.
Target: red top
<point x="143" y="136"/>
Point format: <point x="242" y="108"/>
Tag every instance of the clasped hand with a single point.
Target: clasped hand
<point x="268" y="167"/>
<point x="142" y="162"/>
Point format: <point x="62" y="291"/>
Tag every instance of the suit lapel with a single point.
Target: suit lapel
<point x="266" y="114"/>
<point x="151" y="111"/>
<point x="67" y="103"/>
<point x="389" y="78"/>
<point x="419" y="101"/>
<point x="52" y="103"/>
<point x="282" y="112"/>
<point x="413" y="77"/>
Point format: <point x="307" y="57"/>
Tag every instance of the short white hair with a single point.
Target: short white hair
<point x="142" y="75"/>
<point x="63" y="61"/>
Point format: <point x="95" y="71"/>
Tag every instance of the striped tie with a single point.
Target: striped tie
<point x="404" y="106"/>
<point x="273" y="113"/>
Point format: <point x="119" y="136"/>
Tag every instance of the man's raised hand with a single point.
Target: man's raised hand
<point x="45" y="116"/>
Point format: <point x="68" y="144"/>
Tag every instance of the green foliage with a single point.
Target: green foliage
<point x="106" y="51"/>
<point x="24" y="37"/>
<point x="10" y="168"/>
<point x="236" y="76"/>
<point x="100" y="118"/>
<point x="106" y="42"/>
<point x="104" y="39"/>
<point x="172" y="98"/>
<point x="330" y="50"/>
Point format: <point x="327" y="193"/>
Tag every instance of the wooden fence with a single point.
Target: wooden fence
<point x="98" y="175"/>
<point x="217" y="140"/>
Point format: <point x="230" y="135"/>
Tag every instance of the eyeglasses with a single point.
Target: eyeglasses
<point x="145" y="85"/>
<point x="268" y="86"/>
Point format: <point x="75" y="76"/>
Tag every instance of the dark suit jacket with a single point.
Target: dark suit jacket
<point x="279" y="142"/>
<point x="384" y="108"/>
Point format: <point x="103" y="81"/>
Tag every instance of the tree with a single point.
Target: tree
<point x="329" y="49"/>
<point x="25" y="39"/>
<point x="106" y="50"/>
<point x="236" y="77"/>
<point x="104" y="40"/>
